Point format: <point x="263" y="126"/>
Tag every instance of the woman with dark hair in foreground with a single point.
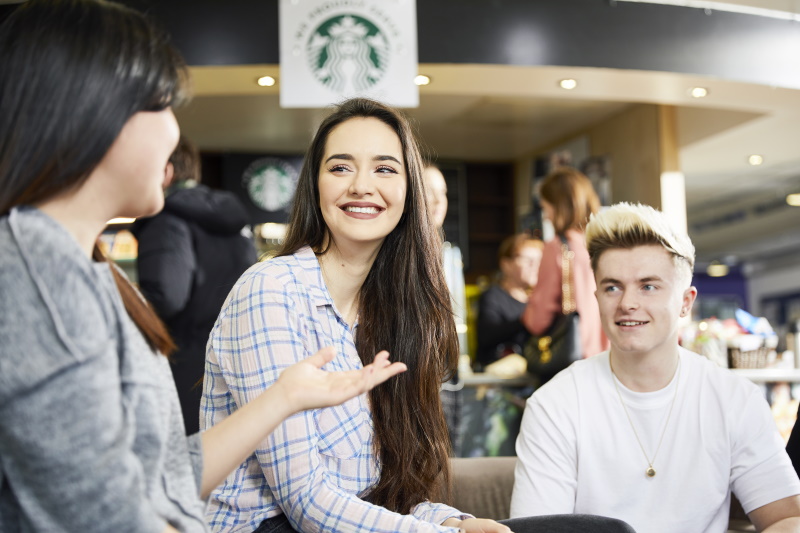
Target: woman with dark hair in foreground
<point x="91" y="434"/>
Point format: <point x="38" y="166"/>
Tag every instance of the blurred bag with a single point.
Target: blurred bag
<point x="560" y="346"/>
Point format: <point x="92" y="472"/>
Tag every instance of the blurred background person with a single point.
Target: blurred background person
<point x="500" y="308"/>
<point x="568" y="200"/>
<point x="436" y="196"/>
<point x="190" y="255"/>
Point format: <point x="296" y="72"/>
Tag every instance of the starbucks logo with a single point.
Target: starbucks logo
<point x="348" y="54"/>
<point x="270" y="183"/>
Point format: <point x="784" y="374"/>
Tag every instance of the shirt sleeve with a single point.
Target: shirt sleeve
<point x="194" y="444"/>
<point x="66" y="453"/>
<point x="545" y="300"/>
<point x="166" y="264"/>
<point x="265" y="333"/>
<point x="761" y="471"/>
<point x="545" y="477"/>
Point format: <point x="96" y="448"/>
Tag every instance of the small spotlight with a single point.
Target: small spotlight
<point x="717" y="269"/>
<point x="273" y="231"/>
<point x="755" y="160"/>
<point x="793" y="199"/>
<point x="266" y="81"/>
<point x="422" y="79"/>
<point x="698" y="92"/>
<point x="120" y="220"/>
<point x="568" y="84"/>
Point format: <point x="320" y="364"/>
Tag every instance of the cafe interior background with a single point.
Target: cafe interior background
<point x="690" y="106"/>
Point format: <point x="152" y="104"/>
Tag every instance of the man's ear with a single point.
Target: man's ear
<point x="689" y="296"/>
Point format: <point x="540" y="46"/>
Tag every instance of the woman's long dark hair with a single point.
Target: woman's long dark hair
<point x="72" y="72"/>
<point x="404" y="307"/>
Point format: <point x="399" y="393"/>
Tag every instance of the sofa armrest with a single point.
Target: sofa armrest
<point x="482" y="485"/>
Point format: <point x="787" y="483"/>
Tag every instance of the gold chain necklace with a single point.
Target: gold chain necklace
<point x="650" y="472"/>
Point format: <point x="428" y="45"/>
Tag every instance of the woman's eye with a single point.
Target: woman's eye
<point x="385" y="170"/>
<point x="338" y="168"/>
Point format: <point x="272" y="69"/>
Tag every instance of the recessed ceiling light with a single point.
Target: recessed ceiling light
<point x="568" y="84"/>
<point x="698" y="92"/>
<point x="121" y="220"/>
<point x="755" y="160"/>
<point x="422" y="79"/>
<point x="266" y="81"/>
<point x="793" y="199"/>
<point x="717" y="269"/>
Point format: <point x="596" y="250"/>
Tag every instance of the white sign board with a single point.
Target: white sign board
<point x="336" y="49"/>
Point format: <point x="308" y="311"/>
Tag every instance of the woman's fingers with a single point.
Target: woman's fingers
<point x="322" y="357"/>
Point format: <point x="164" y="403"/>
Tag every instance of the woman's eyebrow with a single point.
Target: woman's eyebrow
<point x="346" y="157"/>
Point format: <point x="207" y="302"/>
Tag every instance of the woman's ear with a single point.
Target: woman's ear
<point x="169" y="174"/>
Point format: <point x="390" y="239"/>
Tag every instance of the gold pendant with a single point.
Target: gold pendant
<point x="651" y="472"/>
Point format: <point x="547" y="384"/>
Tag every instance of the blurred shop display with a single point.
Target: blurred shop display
<point x="749" y="345"/>
<point x="741" y="342"/>
<point x="119" y="245"/>
<point x="268" y="238"/>
<point x="492" y="414"/>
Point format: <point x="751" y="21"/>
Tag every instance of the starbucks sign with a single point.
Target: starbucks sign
<point x="270" y="183"/>
<point x="336" y="49"/>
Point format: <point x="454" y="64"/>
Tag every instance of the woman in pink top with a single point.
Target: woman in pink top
<point x="568" y="199"/>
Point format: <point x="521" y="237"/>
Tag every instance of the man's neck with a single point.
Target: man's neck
<point x="645" y="372"/>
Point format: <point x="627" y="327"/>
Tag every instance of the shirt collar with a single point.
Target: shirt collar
<point x="310" y="274"/>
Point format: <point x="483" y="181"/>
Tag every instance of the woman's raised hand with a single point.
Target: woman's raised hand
<point x="307" y="386"/>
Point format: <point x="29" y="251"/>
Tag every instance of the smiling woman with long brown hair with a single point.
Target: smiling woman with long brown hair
<point x="360" y="268"/>
<point x="91" y="433"/>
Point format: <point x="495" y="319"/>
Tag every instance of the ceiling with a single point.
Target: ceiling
<point x="736" y="211"/>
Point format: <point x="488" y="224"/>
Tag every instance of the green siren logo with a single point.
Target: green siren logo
<point x="270" y="183"/>
<point x="348" y="54"/>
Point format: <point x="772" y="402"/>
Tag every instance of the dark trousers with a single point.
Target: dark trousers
<point x="560" y="523"/>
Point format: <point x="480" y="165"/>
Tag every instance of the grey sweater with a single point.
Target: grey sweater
<point x="91" y="435"/>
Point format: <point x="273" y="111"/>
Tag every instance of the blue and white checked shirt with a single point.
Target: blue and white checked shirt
<point x="315" y="465"/>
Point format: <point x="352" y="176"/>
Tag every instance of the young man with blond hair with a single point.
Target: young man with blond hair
<point x="649" y="432"/>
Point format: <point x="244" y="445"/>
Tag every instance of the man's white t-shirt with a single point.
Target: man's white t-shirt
<point x="578" y="453"/>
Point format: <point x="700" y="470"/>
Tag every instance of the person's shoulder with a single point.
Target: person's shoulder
<point x="53" y="312"/>
<point x="297" y="272"/>
<point x="281" y="267"/>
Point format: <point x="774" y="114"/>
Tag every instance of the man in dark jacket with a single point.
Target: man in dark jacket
<point x="190" y="255"/>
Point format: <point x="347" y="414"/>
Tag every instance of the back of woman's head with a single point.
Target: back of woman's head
<point x="185" y="161"/>
<point x="572" y="196"/>
<point x="73" y="73"/>
<point x="306" y="225"/>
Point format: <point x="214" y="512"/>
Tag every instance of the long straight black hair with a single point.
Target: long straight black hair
<point x="404" y="307"/>
<point x="72" y="72"/>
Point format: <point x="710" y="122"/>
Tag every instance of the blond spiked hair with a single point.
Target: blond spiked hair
<point x="626" y="226"/>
